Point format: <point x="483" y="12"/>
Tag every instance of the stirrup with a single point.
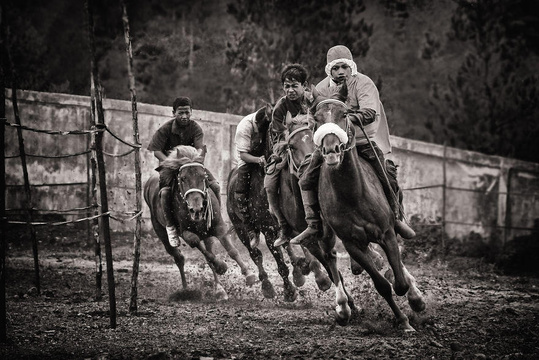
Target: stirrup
<point x="307" y="233"/>
<point x="173" y="238"/>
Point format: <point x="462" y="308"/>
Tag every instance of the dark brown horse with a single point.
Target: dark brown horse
<point x="266" y="224"/>
<point x="353" y="204"/>
<point x="197" y="211"/>
<point x="299" y="146"/>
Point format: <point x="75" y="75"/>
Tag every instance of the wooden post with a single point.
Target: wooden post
<point x="444" y="199"/>
<point x="105" y="226"/>
<point x="138" y="172"/>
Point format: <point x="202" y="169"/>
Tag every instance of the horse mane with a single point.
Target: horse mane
<point x="339" y="92"/>
<point x="179" y="156"/>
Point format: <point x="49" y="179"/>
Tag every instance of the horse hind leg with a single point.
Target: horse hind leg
<point x="175" y="252"/>
<point x="299" y="263"/>
<point x="256" y="255"/>
<point x="233" y="252"/>
<point x="320" y="277"/>
<point x="290" y="293"/>
<point x="414" y="295"/>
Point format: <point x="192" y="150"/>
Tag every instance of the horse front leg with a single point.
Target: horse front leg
<point x="299" y="264"/>
<point x="343" y="312"/>
<point x="321" y="278"/>
<point x="381" y="284"/>
<point x="219" y="265"/>
<point x="290" y="293"/>
<point x="175" y="252"/>
<point x="256" y="255"/>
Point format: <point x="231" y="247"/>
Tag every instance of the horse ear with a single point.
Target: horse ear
<point x="288" y="118"/>
<point x="202" y="152"/>
<point x="268" y="111"/>
<point x="178" y="154"/>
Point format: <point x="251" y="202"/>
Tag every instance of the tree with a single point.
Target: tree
<point x="274" y="33"/>
<point x="491" y="104"/>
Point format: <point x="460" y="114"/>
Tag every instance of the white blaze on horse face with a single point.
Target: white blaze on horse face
<point x="305" y="138"/>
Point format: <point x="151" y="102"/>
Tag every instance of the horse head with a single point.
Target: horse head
<point x="299" y="140"/>
<point x="331" y="116"/>
<point x="191" y="183"/>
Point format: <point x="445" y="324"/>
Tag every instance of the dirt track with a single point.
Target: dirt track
<point x="471" y="311"/>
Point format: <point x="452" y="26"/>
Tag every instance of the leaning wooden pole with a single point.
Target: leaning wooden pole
<point x="105" y="226"/>
<point x="3" y="244"/>
<point x="92" y="181"/>
<point x="138" y="174"/>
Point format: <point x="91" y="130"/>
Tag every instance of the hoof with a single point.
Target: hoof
<point x="341" y="318"/>
<point x="220" y="294"/>
<point x="417" y="304"/>
<point x="267" y="289"/>
<point x="298" y="277"/>
<point x="250" y="279"/>
<point x="356" y="268"/>
<point x="323" y="282"/>
<point x="220" y="267"/>
<point x="290" y="293"/>
<point x="303" y="264"/>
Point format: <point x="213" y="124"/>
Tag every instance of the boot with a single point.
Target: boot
<point x="284" y="229"/>
<point x="168" y="212"/>
<point x="312" y="216"/>
<point x="401" y="227"/>
<point x="243" y="201"/>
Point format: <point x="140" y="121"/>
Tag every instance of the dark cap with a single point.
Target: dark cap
<point x="182" y="101"/>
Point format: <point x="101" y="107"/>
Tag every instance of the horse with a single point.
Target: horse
<point x="267" y="225"/>
<point x="353" y="204"/>
<point x="197" y="210"/>
<point x="298" y="146"/>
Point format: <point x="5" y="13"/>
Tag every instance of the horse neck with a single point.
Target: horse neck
<point x="353" y="171"/>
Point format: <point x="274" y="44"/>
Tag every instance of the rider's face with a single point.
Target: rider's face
<point x="183" y="114"/>
<point x="340" y="72"/>
<point x="293" y="89"/>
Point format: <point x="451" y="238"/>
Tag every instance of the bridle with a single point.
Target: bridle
<point x="348" y="122"/>
<point x="208" y="210"/>
<point x="294" y="168"/>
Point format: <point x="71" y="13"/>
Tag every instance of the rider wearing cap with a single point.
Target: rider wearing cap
<point x="364" y="101"/>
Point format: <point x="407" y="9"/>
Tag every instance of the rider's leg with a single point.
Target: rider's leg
<point x="391" y="190"/>
<point x="165" y="196"/>
<point x="271" y="184"/>
<point x="309" y="194"/>
<point x="214" y="185"/>
<point x="242" y="198"/>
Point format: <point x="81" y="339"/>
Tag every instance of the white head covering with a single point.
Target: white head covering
<point x="338" y="54"/>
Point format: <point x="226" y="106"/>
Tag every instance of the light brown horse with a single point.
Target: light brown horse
<point x="197" y="211"/>
<point x="353" y="204"/>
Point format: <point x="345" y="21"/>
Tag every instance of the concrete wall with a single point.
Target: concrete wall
<point x="483" y="193"/>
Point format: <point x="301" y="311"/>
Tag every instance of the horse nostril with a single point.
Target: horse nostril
<point x="191" y="210"/>
<point x="337" y="149"/>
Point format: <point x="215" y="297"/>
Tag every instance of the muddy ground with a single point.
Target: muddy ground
<point x="472" y="312"/>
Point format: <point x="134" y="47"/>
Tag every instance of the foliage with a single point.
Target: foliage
<point x="274" y="33"/>
<point x="491" y="103"/>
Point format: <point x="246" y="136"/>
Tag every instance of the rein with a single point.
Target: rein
<point x="294" y="169"/>
<point x="208" y="211"/>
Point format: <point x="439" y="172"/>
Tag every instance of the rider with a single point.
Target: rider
<point x="296" y="101"/>
<point x="180" y="130"/>
<point x="364" y="100"/>
<point x="250" y="147"/>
